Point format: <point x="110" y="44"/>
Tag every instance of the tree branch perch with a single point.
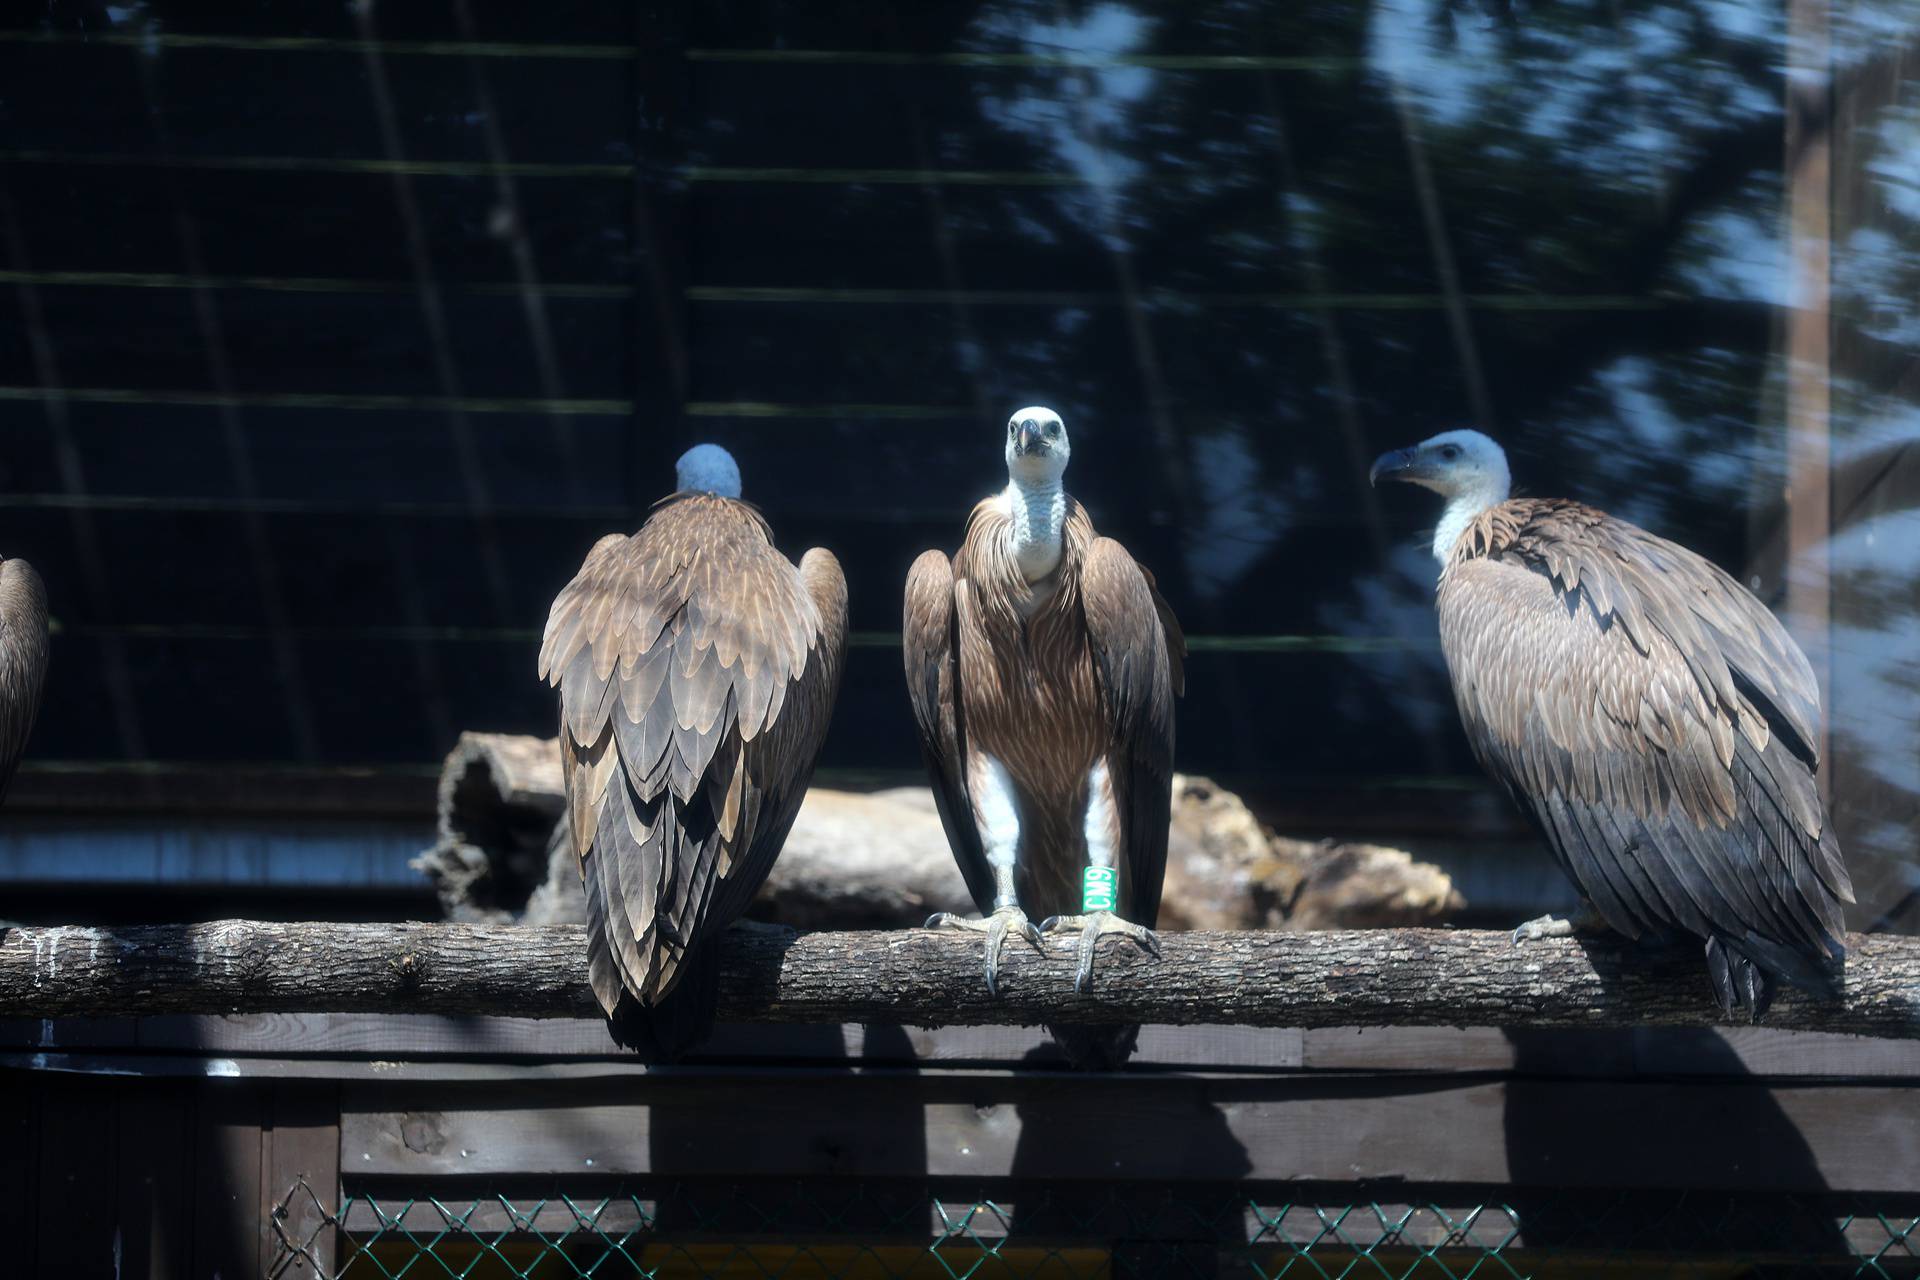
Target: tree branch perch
<point x="1386" y="977"/>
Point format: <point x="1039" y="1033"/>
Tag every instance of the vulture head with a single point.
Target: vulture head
<point x="1453" y="464"/>
<point x="1037" y="447"/>
<point x="707" y="468"/>
<point x="1464" y="467"/>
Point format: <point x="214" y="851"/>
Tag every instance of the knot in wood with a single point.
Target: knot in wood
<point x="252" y="963"/>
<point x="409" y="967"/>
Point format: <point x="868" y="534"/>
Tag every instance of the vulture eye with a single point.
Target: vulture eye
<point x="1053" y="428"/>
<point x="1449" y="452"/>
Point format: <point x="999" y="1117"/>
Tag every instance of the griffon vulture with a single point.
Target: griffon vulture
<point x="1042" y="665"/>
<point x="23" y="659"/>
<point x="1655" y="721"/>
<point x="697" y="670"/>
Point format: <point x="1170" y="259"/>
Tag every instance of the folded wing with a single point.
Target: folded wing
<point x="697" y="670"/>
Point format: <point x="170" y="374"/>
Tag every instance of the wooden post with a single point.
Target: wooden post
<point x="1809" y="491"/>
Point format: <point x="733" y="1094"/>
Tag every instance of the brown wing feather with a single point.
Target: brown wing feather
<point x="1656" y="720"/>
<point x="697" y="671"/>
<point x="933" y="688"/>
<point x="1137" y="655"/>
<point x="23" y="660"/>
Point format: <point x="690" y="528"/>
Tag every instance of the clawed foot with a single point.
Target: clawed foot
<point x="1583" y="920"/>
<point x="1091" y="927"/>
<point x="1547" y="926"/>
<point x="996" y="926"/>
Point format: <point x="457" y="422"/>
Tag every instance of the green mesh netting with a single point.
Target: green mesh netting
<point x="854" y="1230"/>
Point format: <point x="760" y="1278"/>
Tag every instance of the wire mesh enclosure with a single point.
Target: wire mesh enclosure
<point x="856" y="1229"/>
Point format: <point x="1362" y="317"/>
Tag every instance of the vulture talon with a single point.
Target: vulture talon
<point x="996" y="926"/>
<point x="1547" y="926"/>
<point x="1091" y="926"/>
<point x="1583" y="920"/>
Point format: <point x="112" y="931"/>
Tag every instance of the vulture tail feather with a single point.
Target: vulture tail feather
<point x="1751" y="966"/>
<point x="1738" y="983"/>
<point x="678" y="1021"/>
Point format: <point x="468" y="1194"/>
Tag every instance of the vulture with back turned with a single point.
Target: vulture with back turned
<point x="1655" y="721"/>
<point x="1042" y="665"/>
<point x="23" y="660"/>
<point x="697" y="670"/>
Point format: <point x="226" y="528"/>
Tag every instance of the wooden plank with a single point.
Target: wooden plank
<point x="77" y="1176"/>
<point x="22" y="1102"/>
<point x="617" y="1216"/>
<point x="268" y="1070"/>
<point x="1680" y="1135"/>
<point x="417" y="1037"/>
<point x="1757" y="1051"/>
<point x="155" y="1179"/>
<point x="300" y="1182"/>
<point x="228" y="1123"/>
<point x="325" y="1046"/>
<point x="1453" y="1049"/>
<point x="172" y="788"/>
<point x="53" y="1033"/>
<point x="1733" y="1052"/>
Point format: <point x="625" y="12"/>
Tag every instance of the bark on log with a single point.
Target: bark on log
<point x="1410" y="977"/>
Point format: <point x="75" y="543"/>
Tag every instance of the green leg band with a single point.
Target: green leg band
<point x="1099" y="890"/>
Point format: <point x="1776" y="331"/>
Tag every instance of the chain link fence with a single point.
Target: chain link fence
<point x="799" y="1231"/>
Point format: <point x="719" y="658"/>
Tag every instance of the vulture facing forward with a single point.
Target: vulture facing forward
<point x="1042" y="666"/>
<point x="1651" y="716"/>
<point x="697" y="670"/>
<point x="23" y="659"/>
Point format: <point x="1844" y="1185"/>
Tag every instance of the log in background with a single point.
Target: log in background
<point x="916" y="977"/>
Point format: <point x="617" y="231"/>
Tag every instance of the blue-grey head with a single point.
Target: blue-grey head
<point x="1037" y="446"/>
<point x="1464" y="467"/>
<point x="1455" y="464"/>
<point x="707" y="468"/>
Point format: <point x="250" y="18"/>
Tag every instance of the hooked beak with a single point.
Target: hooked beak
<point x="1032" y="439"/>
<point x="1397" y="464"/>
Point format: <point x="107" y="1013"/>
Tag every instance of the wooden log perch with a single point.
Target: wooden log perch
<point x="1386" y="977"/>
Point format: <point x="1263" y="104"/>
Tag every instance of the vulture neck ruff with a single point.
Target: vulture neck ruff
<point x="1462" y="509"/>
<point x="1037" y="512"/>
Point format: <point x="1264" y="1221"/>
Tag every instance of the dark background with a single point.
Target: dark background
<point x="335" y="334"/>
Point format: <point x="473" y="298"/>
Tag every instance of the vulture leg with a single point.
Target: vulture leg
<point x="1003" y="920"/>
<point x="1091" y="926"/>
<point x="1102" y="826"/>
<point x="1584" y="920"/>
<point x="996" y="812"/>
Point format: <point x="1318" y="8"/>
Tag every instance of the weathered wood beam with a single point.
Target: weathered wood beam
<point x="1387" y="977"/>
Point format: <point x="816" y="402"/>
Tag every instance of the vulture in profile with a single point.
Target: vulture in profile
<point x="697" y="670"/>
<point x="1042" y="665"/>
<point x="1655" y="721"/>
<point x="23" y="660"/>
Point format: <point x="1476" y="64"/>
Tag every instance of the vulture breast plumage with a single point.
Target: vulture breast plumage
<point x="1652" y="717"/>
<point x="697" y="670"/>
